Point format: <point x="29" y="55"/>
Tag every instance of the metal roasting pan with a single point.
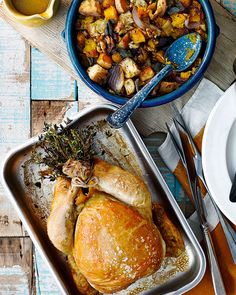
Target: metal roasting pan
<point x="123" y="146"/>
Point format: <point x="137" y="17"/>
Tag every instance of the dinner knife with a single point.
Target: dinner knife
<point x="232" y="194"/>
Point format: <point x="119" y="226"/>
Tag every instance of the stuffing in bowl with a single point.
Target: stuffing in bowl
<point x="122" y="44"/>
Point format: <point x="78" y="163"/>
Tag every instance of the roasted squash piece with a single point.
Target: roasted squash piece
<point x="178" y="20"/>
<point x="129" y="67"/>
<point x="170" y="233"/>
<point x="194" y="15"/>
<point x="90" y="8"/>
<point x="152" y="44"/>
<point x="137" y="36"/>
<point x="185" y="75"/>
<point x="116" y="57"/>
<point x="90" y="48"/>
<point x="167" y="87"/>
<point x="146" y="74"/>
<point x="111" y="13"/>
<point x="104" y="61"/>
<point x="186" y="3"/>
<point x="108" y="3"/>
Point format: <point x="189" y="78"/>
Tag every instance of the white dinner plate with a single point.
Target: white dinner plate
<point x="219" y="151"/>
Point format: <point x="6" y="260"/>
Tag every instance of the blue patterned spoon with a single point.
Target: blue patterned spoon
<point x="179" y="56"/>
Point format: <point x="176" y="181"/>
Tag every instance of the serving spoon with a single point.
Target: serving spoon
<point x="178" y="57"/>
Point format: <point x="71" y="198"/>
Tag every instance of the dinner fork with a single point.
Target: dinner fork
<point x="217" y="280"/>
<point x="229" y="232"/>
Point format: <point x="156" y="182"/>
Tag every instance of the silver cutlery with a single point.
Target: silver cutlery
<point x="201" y="211"/>
<point x="229" y="232"/>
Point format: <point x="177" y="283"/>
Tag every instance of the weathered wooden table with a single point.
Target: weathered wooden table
<point x="33" y="90"/>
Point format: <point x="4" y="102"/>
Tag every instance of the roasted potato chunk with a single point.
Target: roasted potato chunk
<point x="97" y="28"/>
<point x="129" y="67"/>
<point x="146" y="74"/>
<point x="90" y="8"/>
<point x="129" y="86"/>
<point x="97" y="74"/>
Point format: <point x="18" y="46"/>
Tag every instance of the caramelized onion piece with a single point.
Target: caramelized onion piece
<point x="137" y="19"/>
<point x="116" y="79"/>
<point x="191" y="25"/>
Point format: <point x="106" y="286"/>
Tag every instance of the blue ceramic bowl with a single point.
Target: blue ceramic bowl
<point x="70" y="38"/>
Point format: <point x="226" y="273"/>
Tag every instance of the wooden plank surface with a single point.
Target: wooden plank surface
<point x="14" y="111"/>
<point x="16" y="266"/>
<point x="17" y="275"/>
<point x="45" y="75"/>
<point x="48" y="40"/>
<point x="51" y="112"/>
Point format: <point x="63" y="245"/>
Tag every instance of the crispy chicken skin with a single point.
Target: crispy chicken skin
<point x="109" y="234"/>
<point x="124" y="186"/>
<point x="114" y="245"/>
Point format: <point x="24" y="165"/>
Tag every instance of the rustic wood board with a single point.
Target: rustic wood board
<point x="16" y="266"/>
<point x="18" y="68"/>
<point x="48" y="40"/>
<point x="14" y="111"/>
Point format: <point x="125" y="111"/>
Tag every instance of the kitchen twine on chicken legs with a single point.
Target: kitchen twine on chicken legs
<point x="196" y="113"/>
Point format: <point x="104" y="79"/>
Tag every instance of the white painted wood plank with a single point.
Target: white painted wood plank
<point x="14" y="110"/>
<point x="48" y="39"/>
<point x="48" y="80"/>
<point x="45" y="283"/>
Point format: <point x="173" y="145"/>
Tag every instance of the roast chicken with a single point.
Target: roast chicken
<point x="101" y="218"/>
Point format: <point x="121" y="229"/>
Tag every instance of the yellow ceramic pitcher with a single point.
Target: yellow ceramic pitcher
<point x="31" y="12"/>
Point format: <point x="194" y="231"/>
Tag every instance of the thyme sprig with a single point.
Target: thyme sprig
<point x="59" y="144"/>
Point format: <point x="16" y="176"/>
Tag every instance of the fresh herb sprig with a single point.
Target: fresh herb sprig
<point x="59" y="144"/>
